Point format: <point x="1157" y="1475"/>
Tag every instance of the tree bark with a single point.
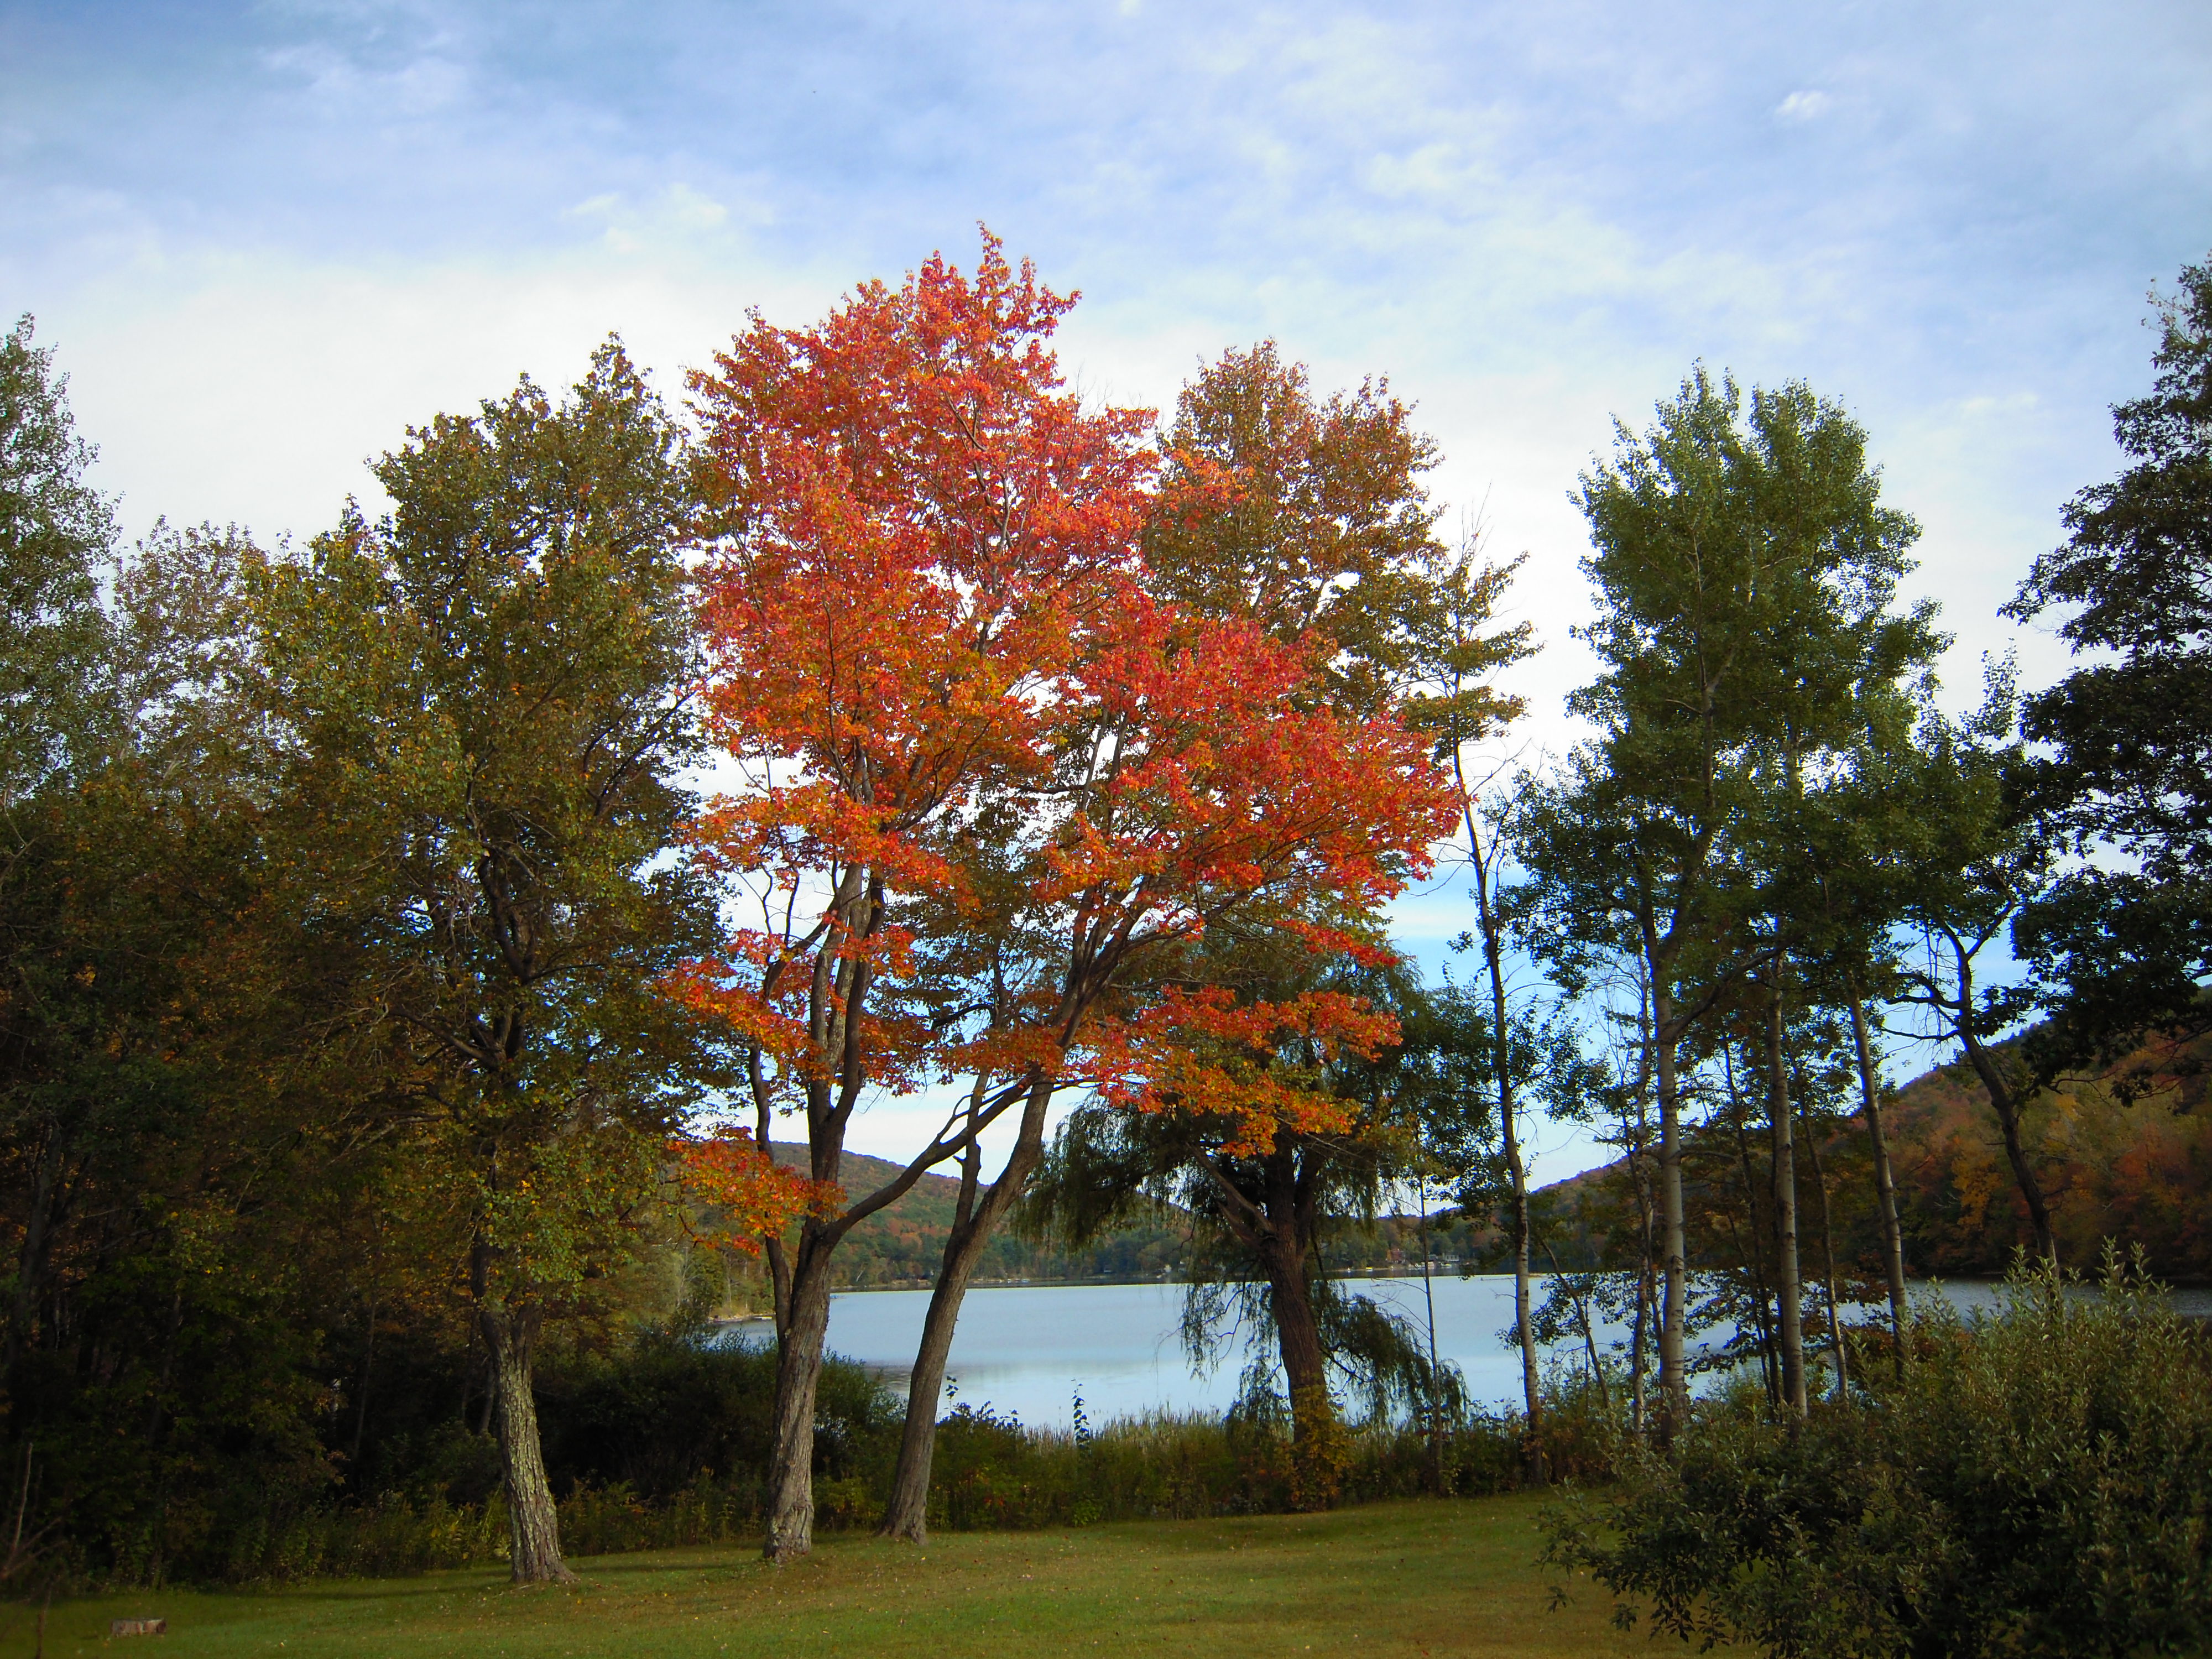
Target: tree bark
<point x="360" y="1405"/>
<point x="39" y="1221"/>
<point x="1827" y="1254"/>
<point x="533" y="1525"/>
<point x="2007" y="1107"/>
<point x="1674" y="1377"/>
<point x="1486" y="867"/>
<point x="1885" y="1183"/>
<point x="1639" y="1340"/>
<point x="1788" y="1284"/>
<point x="801" y="1331"/>
<point x="907" y="1515"/>
<point x="1316" y="1453"/>
<point x="1960" y="1013"/>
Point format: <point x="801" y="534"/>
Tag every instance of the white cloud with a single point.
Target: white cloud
<point x="1806" y="106"/>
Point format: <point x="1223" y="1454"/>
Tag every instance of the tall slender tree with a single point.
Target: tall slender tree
<point x="1742" y="560"/>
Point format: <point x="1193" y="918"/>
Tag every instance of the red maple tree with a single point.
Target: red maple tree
<point x="992" y="783"/>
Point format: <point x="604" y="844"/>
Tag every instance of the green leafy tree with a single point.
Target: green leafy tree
<point x="1743" y="562"/>
<point x="2125" y="741"/>
<point x="484" y="697"/>
<point x="57" y="538"/>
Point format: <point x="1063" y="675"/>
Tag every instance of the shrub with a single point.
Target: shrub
<point x="2038" y="1483"/>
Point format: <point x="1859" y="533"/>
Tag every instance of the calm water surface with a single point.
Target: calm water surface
<point x="1030" y="1350"/>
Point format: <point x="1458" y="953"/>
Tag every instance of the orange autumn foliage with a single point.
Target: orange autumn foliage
<point x="937" y="654"/>
<point x="919" y="531"/>
<point x="727" y="1172"/>
<point x="1255" y="1067"/>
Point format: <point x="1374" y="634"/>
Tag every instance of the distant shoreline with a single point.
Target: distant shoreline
<point x="2193" y="1300"/>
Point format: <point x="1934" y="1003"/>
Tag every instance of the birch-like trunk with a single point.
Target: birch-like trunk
<point x="1788" y="1285"/>
<point x="1885" y="1182"/>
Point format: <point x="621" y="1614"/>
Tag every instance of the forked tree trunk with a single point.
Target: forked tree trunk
<point x="907" y="1515"/>
<point x="1885" y="1182"/>
<point x="533" y="1525"/>
<point x="1789" y="1286"/>
<point x="801" y="1330"/>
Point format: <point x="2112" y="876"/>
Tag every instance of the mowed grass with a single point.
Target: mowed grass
<point x="1429" y="1577"/>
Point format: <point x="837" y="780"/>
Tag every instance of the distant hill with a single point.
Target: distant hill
<point x="2138" y="1173"/>
<point x="902" y="1245"/>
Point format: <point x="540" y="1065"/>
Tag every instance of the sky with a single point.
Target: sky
<point x="267" y="238"/>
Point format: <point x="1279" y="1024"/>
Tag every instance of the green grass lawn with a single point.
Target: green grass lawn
<point x="1421" y="1578"/>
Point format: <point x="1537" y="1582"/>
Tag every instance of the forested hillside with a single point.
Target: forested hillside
<point x="2133" y="1169"/>
<point x="902" y="1245"/>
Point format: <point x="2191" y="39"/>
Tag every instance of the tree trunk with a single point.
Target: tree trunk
<point x="1960" y="1013"/>
<point x="1754" y="1263"/>
<point x="1827" y="1255"/>
<point x="1589" y="1331"/>
<point x="1788" y="1285"/>
<point x="533" y="1527"/>
<point x="1674" y="1377"/>
<point x="798" y="1343"/>
<point x="30" y="1263"/>
<point x="1316" y="1448"/>
<point x="1494" y="953"/>
<point x="1885" y="1184"/>
<point x="1523" y="1317"/>
<point x="360" y="1405"/>
<point x="1639" y="1340"/>
<point x="2008" y="1110"/>
<point x="907" y="1515"/>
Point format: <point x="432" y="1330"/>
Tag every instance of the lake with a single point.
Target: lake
<point x="1029" y="1350"/>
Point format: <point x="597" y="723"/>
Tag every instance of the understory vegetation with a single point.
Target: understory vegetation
<point x="2035" y="1483"/>
<point x="665" y="1444"/>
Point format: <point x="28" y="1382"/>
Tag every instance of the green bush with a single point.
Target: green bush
<point x="2038" y="1483"/>
<point x="663" y="1443"/>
